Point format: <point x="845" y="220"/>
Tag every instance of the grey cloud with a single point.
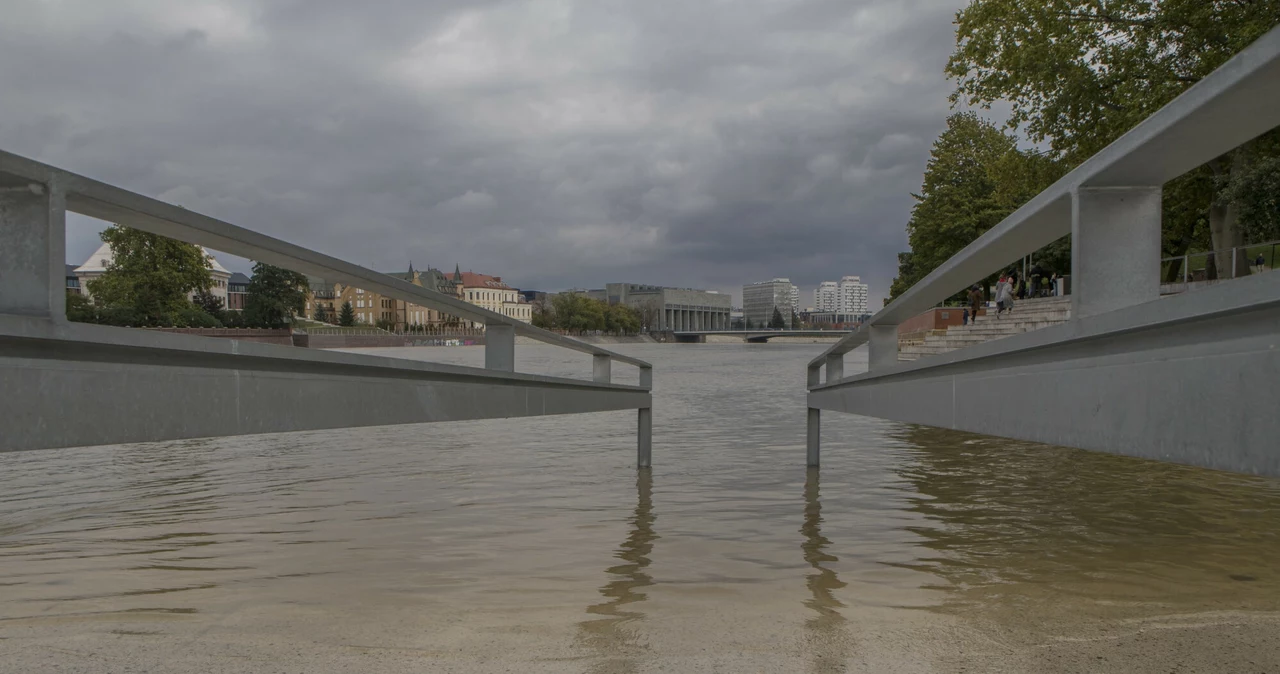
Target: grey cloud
<point x="555" y="143"/>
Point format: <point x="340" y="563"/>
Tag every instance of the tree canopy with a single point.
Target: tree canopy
<point x="149" y="278"/>
<point x="347" y="315"/>
<point x="578" y="313"/>
<point x="275" y="295"/>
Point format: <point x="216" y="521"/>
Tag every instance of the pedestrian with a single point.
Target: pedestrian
<point x="1260" y="262"/>
<point x="1036" y="275"/>
<point x="975" y="301"/>
<point x="964" y="317"/>
<point x="1053" y="285"/>
<point x="1004" y="296"/>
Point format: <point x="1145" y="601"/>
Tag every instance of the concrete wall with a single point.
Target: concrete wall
<point x="282" y="337"/>
<point x="1192" y="379"/>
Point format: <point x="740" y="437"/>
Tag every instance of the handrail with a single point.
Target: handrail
<point x="1232" y="105"/>
<point x="114" y="204"/>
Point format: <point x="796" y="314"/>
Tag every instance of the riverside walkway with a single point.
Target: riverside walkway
<point x="1193" y="378"/>
<point x="65" y="384"/>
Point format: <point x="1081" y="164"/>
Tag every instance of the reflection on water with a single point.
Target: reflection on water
<point x="827" y="637"/>
<point x="476" y="546"/>
<point x="612" y="635"/>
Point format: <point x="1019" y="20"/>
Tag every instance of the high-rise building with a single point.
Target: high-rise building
<point x="848" y="296"/>
<point x="826" y="297"/>
<point x="760" y="299"/>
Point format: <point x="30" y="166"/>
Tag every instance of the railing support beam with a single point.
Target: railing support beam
<point x="882" y="346"/>
<point x="835" y="367"/>
<point x="500" y="347"/>
<point x="1115" y="248"/>
<point x="33" y="234"/>
<point x="814" y="438"/>
<point x="600" y="368"/>
<point x="644" y="438"/>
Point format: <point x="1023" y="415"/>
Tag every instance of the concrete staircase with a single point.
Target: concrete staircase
<point x="1027" y="315"/>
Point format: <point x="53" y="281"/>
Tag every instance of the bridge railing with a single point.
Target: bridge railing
<point x="1110" y="204"/>
<point x="35" y="274"/>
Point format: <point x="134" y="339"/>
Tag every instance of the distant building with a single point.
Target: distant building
<point x="848" y="296"/>
<point x="237" y="291"/>
<point x="676" y="309"/>
<point x="494" y="294"/>
<point x="73" y="281"/>
<point x="325" y="300"/>
<point x="97" y="265"/>
<point x="760" y="299"/>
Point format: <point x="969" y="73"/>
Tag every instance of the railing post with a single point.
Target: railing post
<point x="500" y="347"/>
<point x="1186" y="270"/>
<point x="882" y="346"/>
<point x="33" y="236"/>
<point x="646" y="377"/>
<point x="1115" y="248"/>
<point x="644" y="438"/>
<point x="814" y="379"/>
<point x="814" y="446"/>
<point x="600" y="368"/>
<point x="1234" y="258"/>
<point x="835" y="367"/>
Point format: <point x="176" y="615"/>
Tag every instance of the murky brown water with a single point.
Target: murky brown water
<point x="533" y="545"/>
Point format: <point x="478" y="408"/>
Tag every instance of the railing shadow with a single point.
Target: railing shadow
<point x="612" y="633"/>
<point x="825" y="633"/>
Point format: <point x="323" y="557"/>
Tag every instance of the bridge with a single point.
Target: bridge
<point x="65" y="384"/>
<point x="1192" y="378"/>
<point x="754" y="336"/>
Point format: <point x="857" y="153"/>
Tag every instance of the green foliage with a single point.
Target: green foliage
<point x="209" y="303"/>
<point x="149" y="277"/>
<point x="776" y="321"/>
<point x="385" y="324"/>
<point x="1079" y="73"/>
<point x="275" y="295"/>
<point x="347" y="317"/>
<point x="320" y="314"/>
<point x="579" y="313"/>
<point x="976" y="176"/>
<point x="80" y="309"/>
<point x="1257" y="195"/>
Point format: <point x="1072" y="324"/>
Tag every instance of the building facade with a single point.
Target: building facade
<point x="492" y="293"/>
<point x="325" y="300"/>
<point x="760" y="299"/>
<point x="848" y="296"/>
<point x="238" y="292"/>
<point x="669" y="309"/>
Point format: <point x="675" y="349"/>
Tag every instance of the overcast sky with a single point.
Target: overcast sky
<point x="703" y="143"/>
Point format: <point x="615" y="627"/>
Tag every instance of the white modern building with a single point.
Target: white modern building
<point x="97" y="265"/>
<point x="848" y="296"/>
<point x="760" y="299"/>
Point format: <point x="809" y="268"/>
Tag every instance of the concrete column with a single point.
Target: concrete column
<point x="500" y="347"/>
<point x="600" y="368"/>
<point x="835" y="368"/>
<point x="33" y="235"/>
<point x="814" y="444"/>
<point x="883" y="347"/>
<point x="666" y="318"/>
<point x="644" y="438"/>
<point x="646" y="377"/>
<point x="1115" y="248"/>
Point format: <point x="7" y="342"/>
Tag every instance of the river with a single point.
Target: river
<point x="533" y="545"/>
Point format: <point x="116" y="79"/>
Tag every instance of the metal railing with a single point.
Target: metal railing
<point x="1219" y="265"/>
<point x="1098" y="203"/>
<point x="79" y="194"/>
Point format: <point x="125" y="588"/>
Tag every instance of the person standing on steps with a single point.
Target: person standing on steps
<point x="975" y="302"/>
<point x="1004" y="296"/>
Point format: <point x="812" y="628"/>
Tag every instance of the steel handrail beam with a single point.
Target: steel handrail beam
<point x="114" y="204"/>
<point x="1232" y="105"/>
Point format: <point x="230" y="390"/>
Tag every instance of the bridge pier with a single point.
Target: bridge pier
<point x="644" y="438"/>
<point x="814" y="437"/>
<point x="33" y="232"/>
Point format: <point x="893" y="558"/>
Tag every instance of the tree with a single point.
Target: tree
<point x="275" y="295"/>
<point x="209" y="303"/>
<point x="1079" y="73"/>
<point x="776" y="322"/>
<point x="347" y="317"/>
<point x="577" y="312"/>
<point x="150" y="276"/>
<point x="621" y="319"/>
<point x="650" y="314"/>
<point x="961" y="196"/>
<point x="795" y="321"/>
<point x="80" y="309"/>
<point x="320" y="314"/>
<point x="746" y="324"/>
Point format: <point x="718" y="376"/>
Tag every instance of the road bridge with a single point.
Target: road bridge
<point x="754" y="336"/>
<point x="65" y="384"/>
<point x="1193" y="378"/>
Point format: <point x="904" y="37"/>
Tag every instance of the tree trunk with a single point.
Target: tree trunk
<point x="1224" y="226"/>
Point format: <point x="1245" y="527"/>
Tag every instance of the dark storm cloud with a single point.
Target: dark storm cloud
<point x="555" y="143"/>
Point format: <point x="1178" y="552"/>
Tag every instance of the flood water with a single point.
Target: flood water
<point x="534" y="545"/>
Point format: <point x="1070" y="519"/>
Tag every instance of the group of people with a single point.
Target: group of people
<point x="1012" y="287"/>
